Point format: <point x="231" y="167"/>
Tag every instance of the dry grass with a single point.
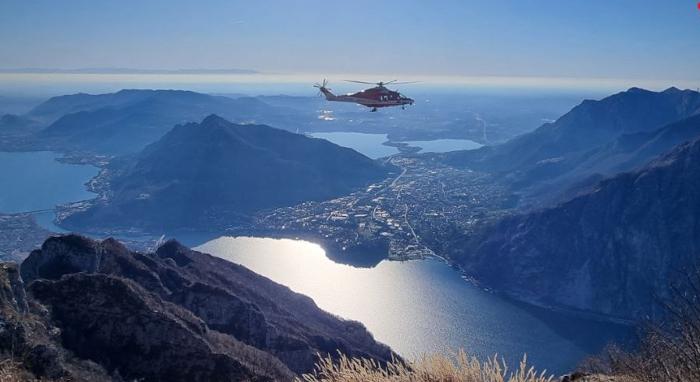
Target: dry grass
<point x="434" y="368"/>
<point x="10" y="371"/>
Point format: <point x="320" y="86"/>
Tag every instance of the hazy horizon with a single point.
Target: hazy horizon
<point x="593" y="45"/>
<point x="51" y="84"/>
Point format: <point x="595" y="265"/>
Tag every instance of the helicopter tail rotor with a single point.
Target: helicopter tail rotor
<point x="321" y="85"/>
<point x="323" y="90"/>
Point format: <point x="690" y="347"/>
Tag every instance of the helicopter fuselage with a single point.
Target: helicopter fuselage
<point x="376" y="97"/>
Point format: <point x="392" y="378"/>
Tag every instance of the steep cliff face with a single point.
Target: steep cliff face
<point x="613" y="250"/>
<point x="177" y="304"/>
<point x="119" y="325"/>
<point x="28" y="337"/>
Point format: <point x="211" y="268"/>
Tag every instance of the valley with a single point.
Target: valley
<point x="432" y="220"/>
<point x="327" y="191"/>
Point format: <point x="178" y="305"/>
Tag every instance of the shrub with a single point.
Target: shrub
<point x="669" y="350"/>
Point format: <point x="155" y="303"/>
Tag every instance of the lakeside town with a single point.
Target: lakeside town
<point x="400" y="218"/>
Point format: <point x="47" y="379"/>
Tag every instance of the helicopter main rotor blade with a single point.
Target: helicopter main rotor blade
<point x="394" y="82"/>
<point x="362" y="82"/>
<point x="405" y="82"/>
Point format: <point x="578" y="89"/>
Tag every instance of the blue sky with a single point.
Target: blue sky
<point x="640" y="39"/>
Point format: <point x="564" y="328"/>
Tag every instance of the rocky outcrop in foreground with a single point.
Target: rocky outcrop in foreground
<point x="28" y="336"/>
<point x="176" y="315"/>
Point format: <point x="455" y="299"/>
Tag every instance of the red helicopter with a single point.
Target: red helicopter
<point x="376" y="97"/>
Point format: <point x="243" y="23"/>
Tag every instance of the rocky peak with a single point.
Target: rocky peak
<point x="68" y="254"/>
<point x="172" y="249"/>
<point x="213" y="120"/>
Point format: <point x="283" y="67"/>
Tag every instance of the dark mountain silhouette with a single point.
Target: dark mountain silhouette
<point x="613" y="250"/>
<point x="218" y="172"/>
<point x="94" y="309"/>
<point x="557" y="148"/>
<point x="126" y="121"/>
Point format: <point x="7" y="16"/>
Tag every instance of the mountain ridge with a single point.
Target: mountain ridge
<point x="612" y="250"/>
<point x="216" y="173"/>
<point x="586" y="126"/>
<point x="128" y="120"/>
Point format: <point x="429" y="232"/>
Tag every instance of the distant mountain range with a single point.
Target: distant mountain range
<point x="93" y="310"/>
<point x="126" y="121"/>
<point x="181" y="102"/>
<point x="589" y="140"/>
<point x="107" y="70"/>
<point x="218" y="173"/>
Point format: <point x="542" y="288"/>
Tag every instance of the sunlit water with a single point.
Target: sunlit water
<point x="31" y="181"/>
<point x="417" y="306"/>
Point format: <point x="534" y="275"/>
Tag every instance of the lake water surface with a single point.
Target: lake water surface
<point x="367" y="144"/>
<point x="420" y="306"/>
<point x="31" y="181"/>
<point x="372" y="145"/>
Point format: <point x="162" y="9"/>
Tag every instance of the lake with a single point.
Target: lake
<point x="444" y="145"/>
<point x="31" y="181"/>
<point x="420" y="306"/>
<point x="372" y="145"/>
<point x="367" y="144"/>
